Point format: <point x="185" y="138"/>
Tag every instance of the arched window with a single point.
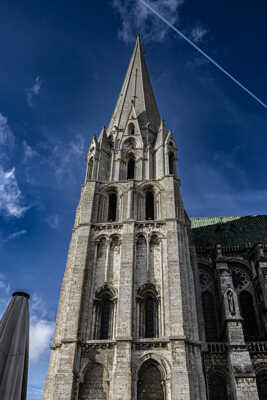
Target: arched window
<point x="217" y="386"/>
<point x="90" y="169"/>
<point x="149" y="385"/>
<point x="150" y="205"/>
<point x="150" y="308"/>
<point x="131" y="129"/>
<point x="104" y="305"/>
<point x="112" y="207"/>
<point x="250" y="326"/>
<point x="209" y="314"/>
<point x="171" y="163"/>
<point x="105" y="319"/>
<point x="262" y="385"/>
<point x="131" y="168"/>
<point x="148" y="311"/>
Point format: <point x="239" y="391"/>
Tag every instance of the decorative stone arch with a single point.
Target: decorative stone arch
<point x="155" y="185"/>
<point x="129" y="143"/>
<point x="140" y="192"/>
<point x="93" y="376"/>
<point x="104" y="312"/>
<point x="164" y="368"/>
<point x="148" y="311"/>
<point x="109" y="203"/>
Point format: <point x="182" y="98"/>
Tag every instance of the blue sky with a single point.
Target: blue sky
<point x="61" y="70"/>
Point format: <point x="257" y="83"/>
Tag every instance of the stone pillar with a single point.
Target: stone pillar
<point x="242" y="374"/>
<point x="261" y="266"/>
<point x="122" y="380"/>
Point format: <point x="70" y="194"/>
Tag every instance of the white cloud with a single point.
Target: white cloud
<point x="41" y="332"/>
<point x="33" y="91"/>
<point x="41" y="328"/>
<point x="29" y="152"/>
<point x="63" y="157"/>
<point x="16" y="235"/>
<point x="137" y="18"/>
<point x="53" y="221"/>
<point x="10" y="195"/>
<point x="198" y="33"/>
<point x="6" y="135"/>
<point x="4" y="286"/>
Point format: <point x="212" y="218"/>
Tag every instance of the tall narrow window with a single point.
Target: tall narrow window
<point x="171" y="163"/>
<point x="262" y="385"/>
<point x="250" y="325"/>
<point x="90" y="169"/>
<point x="217" y="387"/>
<point x="131" y="168"/>
<point x="150" y="330"/>
<point x="105" y="319"/>
<point x="149" y="205"/>
<point x="209" y="314"/>
<point x="131" y="129"/>
<point x="112" y="207"/>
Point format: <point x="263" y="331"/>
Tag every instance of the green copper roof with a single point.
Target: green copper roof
<point x="229" y="231"/>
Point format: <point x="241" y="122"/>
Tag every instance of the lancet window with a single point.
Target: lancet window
<point x="248" y="314"/>
<point x="112" y="206"/>
<point x="209" y="305"/>
<point x="148" y="310"/>
<point x="171" y="163"/>
<point x="90" y="169"/>
<point x="150" y="205"/>
<point x="104" y="313"/>
<point x="131" y="167"/>
<point x="131" y="129"/>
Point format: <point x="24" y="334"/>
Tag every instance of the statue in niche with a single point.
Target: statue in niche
<point x="231" y="302"/>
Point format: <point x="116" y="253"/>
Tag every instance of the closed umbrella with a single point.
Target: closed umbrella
<point x="14" y="348"/>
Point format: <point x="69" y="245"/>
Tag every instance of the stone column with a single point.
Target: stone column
<point x="261" y="266"/>
<point x="122" y="380"/>
<point x="242" y="374"/>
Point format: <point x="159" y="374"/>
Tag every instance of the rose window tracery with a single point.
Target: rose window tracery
<point x="241" y="278"/>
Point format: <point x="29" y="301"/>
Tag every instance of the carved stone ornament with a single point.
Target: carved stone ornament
<point x="241" y="279"/>
<point x="231" y="302"/>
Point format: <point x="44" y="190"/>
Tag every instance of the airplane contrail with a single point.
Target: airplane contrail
<point x="204" y="54"/>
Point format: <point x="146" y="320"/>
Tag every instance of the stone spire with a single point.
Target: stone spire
<point x="136" y="91"/>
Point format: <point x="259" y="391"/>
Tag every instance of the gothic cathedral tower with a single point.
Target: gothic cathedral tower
<point x="127" y="324"/>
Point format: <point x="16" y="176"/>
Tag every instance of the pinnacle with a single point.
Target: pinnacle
<point x="136" y="90"/>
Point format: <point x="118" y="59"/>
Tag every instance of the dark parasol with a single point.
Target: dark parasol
<point x="14" y="348"/>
